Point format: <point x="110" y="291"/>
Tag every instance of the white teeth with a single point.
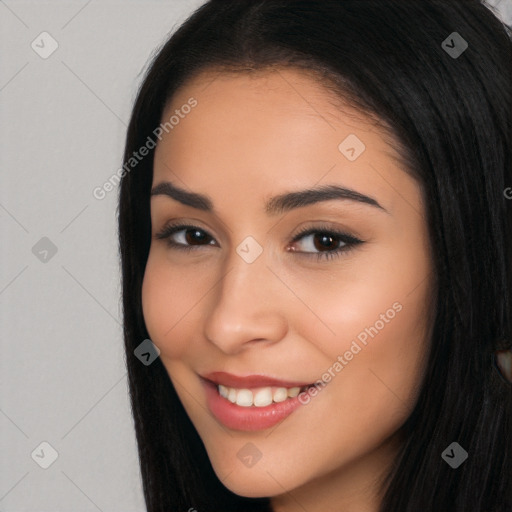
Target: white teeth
<point x="223" y="391"/>
<point x="280" y="395"/>
<point x="244" y="397"/>
<point x="232" y="395"/>
<point x="263" y="397"/>
<point x="293" y="392"/>
<point x="259" y="398"/>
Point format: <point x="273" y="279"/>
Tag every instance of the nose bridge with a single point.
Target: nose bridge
<point x="244" y="304"/>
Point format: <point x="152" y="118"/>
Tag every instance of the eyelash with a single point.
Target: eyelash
<point x="349" y="241"/>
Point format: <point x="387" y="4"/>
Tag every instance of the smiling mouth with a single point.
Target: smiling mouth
<point x="251" y="402"/>
<point x="259" y="397"/>
<point x="254" y="390"/>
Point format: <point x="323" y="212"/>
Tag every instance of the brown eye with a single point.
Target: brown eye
<point x="323" y="243"/>
<point x="184" y="236"/>
<point x="194" y="235"/>
<point x="326" y="242"/>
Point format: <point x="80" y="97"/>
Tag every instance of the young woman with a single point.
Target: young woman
<point x="315" y="223"/>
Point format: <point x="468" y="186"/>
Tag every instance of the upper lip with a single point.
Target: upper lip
<point x="250" y="381"/>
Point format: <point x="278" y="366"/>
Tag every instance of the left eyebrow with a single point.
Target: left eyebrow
<point x="286" y="202"/>
<point x="275" y="205"/>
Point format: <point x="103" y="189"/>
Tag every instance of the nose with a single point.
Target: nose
<point x="246" y="306"/>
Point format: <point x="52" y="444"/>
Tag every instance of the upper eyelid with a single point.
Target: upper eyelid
<point x="176" y="227"/>
<point x="179" y="226"/>
<point x="323" y="229"/>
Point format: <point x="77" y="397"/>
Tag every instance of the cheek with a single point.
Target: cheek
<point x="168" y="298"/>
<point x="375" y="318"/>
<point x="375" y="294"/>
<point x="374" y="367"/>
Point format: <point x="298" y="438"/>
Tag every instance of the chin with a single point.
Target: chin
<point x="252" y="482"/>
<point x="253" y="487"/>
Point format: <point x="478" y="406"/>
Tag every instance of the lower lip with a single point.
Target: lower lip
<point x="252" y="418"/>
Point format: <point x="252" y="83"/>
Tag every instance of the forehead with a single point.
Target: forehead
<point x="289" y="95"/>
<point x="276" y="129"/>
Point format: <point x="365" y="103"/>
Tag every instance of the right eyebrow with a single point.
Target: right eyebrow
<point x="192" y="199"/>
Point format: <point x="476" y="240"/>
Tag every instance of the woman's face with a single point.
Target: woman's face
<point x="329" y="287"/>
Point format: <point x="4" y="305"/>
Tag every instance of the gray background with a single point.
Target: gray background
<point x="62" y="130"/>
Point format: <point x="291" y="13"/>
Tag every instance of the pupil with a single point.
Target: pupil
<point x="326" y="241"/>
<point x="190" y="234"/>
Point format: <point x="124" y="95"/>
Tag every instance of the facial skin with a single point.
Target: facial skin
<point x="288" y="314"/>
